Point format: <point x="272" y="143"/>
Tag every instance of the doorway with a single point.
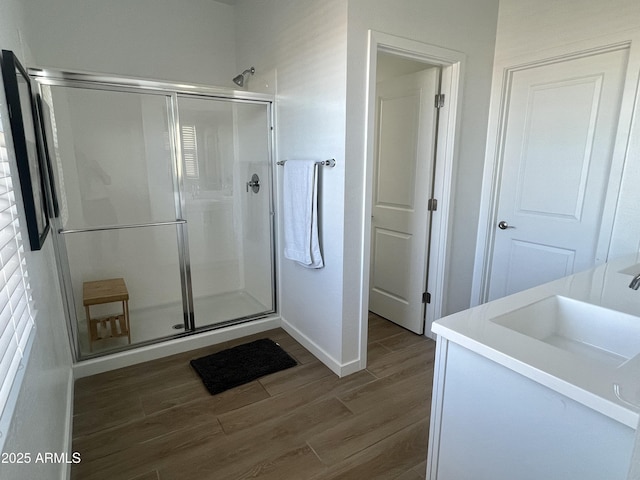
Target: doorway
<point x="557" y="176"/>
<point x="403" y="170"/>
<point x="409" y="61"/>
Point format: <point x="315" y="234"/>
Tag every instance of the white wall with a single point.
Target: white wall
<point x="549" y="28"/>
<point x="318" y="50"/>
<point x="391" y="66"/>
<point x="41" y="418"/>
<point x="305" y="42"/>
<point x="464" y="26"/>
<point x="308" y="44"/>
<point x="163" y="40"/>
<point x="159" y="39"/>
<point x="525" y="27"/>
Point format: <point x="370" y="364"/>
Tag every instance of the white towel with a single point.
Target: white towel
<point x="300" y="202"/>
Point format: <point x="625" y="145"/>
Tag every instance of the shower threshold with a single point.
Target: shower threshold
<point x="153" y="324"/>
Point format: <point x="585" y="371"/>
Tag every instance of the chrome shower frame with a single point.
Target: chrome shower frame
<point x="171" y="90"/>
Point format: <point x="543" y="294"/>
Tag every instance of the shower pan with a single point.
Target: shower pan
<point x="153" y="185"/>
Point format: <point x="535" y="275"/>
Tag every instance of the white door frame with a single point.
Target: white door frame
<point x="503" y="73"/>
<point x="452" y="63"/>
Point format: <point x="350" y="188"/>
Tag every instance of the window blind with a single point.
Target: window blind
<point x="190" y="151"/>
<point x="16" y="309"/>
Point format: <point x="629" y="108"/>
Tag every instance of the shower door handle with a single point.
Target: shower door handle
<point x="103" y="228"/>
<point x="254" y="184"/>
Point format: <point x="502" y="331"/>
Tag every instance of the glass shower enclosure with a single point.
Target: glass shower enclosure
<point x="169" y="189"/>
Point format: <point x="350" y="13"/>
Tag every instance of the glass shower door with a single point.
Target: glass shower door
<point x="115" y="171"/>
<point x="227" y="202"/>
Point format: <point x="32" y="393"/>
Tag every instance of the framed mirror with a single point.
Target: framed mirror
<point x="17" y="86"/>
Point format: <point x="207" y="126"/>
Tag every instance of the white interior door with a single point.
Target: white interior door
<point x="561" y="123"/>
<point x="402" y="184"/>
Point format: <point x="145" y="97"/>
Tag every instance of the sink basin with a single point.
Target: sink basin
<point x="580" y="328"/>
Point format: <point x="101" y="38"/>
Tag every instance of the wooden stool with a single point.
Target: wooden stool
<point x="106" y="291"/>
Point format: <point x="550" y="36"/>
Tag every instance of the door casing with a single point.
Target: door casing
<point x="452" y="64"/>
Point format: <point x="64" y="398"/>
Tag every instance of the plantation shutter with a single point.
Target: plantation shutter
<point x="190" y="151"/>
<point x="16" y="310"/>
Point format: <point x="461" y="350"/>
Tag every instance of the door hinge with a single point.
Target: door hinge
<point x="439" y="100"/>
<point x="426" y="297"/>
<point x="432" y="205"/>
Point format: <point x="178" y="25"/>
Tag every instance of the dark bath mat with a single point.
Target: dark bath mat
<point x="242" y="364"/>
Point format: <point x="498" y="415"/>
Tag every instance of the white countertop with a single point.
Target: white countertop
<point x="584" y="380"/>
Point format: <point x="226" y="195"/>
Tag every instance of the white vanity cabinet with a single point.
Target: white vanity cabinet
<point x="491" y="423"/>
<point x="540" y="385"/>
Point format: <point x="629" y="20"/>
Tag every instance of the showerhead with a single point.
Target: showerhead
<point x="240" y="79"/>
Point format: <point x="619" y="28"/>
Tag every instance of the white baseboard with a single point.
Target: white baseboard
<point x="94" y="366"/>
<point x="151" y="352"/>
<point x="68" y="429"/>
<point x="340" y="369"/>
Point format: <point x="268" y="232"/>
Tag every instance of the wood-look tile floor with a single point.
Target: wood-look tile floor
<point x="156" y="421"/>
